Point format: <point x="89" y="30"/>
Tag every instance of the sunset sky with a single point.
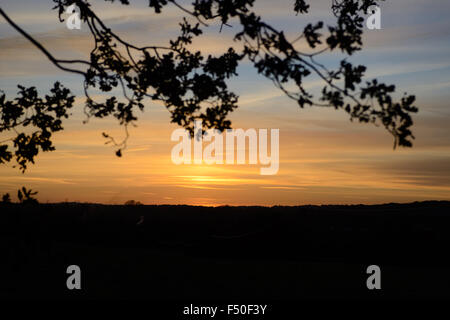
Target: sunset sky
<point x="324" y="158"/>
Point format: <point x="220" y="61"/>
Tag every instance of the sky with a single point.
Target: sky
<point x="323" y="157"/>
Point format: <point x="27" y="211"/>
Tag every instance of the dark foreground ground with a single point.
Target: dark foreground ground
<point x="226" y="253"/>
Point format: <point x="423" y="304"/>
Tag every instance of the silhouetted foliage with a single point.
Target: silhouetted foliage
<point x="194" y="86"/>
<point x="6" y="198"/>
<point x="133" y="203"/>
<point x="26" y="196"/>
<point x="44" y="116"/>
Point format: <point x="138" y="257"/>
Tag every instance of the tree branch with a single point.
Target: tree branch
<point x="55" y="61"/>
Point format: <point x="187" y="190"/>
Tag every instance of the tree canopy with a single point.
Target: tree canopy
<point x="194" y="86"/>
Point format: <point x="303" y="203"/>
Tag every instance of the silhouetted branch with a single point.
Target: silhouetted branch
<point x="193" y="86"/>
<point x="55" y="61"/>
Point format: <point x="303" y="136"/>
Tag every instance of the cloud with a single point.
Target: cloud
<point x="45" y="180"/>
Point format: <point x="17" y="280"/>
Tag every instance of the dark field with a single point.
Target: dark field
<point x="225" y="253"/>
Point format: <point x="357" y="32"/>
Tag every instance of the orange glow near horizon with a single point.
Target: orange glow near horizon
<point x="315" y="173"/>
